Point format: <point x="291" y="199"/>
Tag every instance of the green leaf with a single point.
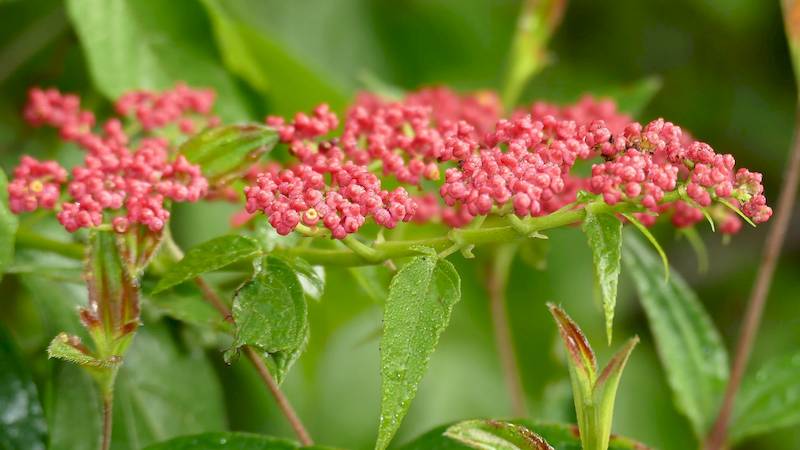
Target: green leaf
<point x="690" y="347"/>
<point x="312" y="278"/>
<point x="256" y="56"/>
<point x="421" y="298"/>
<point x="605" y="388"/>
<point x="22" y="424"/>
<point x="206" y="257"/>
<point x="69" y="348"/>
<point x="270" y="310"/>
<point x="653" y="241"/>
<point x="230" y="440"/>
<point x="559" y="436"/>
<point x="371" y="280"/>
<point x="225" y="153"/>
<point x="186" y="304"/>
<point x="769" y="399"/>
<point x="604" y="233"/>
<point x="495" y="435"/>
<point x="579" y="350"/>
<point x="281" y="362"/>
<point x="160" y="377"/>
<point x="8" y="227"/>
<point x="74" y="417"/>
<point x="151" y="44"/>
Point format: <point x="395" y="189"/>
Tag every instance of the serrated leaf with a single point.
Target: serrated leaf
<point x="421" y="298"/>
<point x="495" y="435"/>
<point x="22" y="423"/>
<point x="769" y="399"/>
<point x="270" y="310"/>
<point x="604" y="233"/>
<point x="559" y="436"/>
<point x="225" y="153"/>
<point x="688" y="344"/>
<point x="66" y="347"/>
<point x="206" y="257"/>
<point x="151" y="45"/>
<point x="8" y="226"/>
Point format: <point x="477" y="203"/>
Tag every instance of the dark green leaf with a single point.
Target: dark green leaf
<point x="690" y="347"/>
<point x="230" y="440"/>
<point x="206" y="257"/>
<point x="74" y="415"/>
<point x="270" y="310"/>
<point x="421" y="298"/>
<point x="186" y="303"/>
<point x="151" y="44"/>
<point x="8" y="227"/>
<point x="164" y="390"/>
<point x="496" y="435"/>
<point x="22" y="424"/>
<point x="281" y="362"/>
<point x="604" y="233"/>
<point x="769" y="399"/>
<point x="559" y="436"/>
<point x="225" y="153"/>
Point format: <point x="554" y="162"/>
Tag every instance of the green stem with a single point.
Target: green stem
<point x="108" y="414"/>
<point x="28" y="239"/>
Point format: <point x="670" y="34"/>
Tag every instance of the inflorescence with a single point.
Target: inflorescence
<point x="527" y="165"/>
<point x="433" y="155"/>
<point x="123" y="181"/>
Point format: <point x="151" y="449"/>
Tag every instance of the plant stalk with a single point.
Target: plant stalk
<point x="108" y="415"/>
<point x="496" y="283"/>
<point x="758" y="297"/>
<point x="262" y="369"/>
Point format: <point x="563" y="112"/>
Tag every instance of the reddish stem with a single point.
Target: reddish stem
<point x="758" y="297"/>
<point x="108" y="414"/>
<point x="262" y="369"/>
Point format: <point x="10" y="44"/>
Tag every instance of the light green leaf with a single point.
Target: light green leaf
<point x="270" y="310"/>
<point x="769" y="399"/>
<point x="151" y="44"/>
<point x="605" y="388"/>
<point x="312" y="278"/>
<point x="690" y="347"/>
<point x="208" y="256"/>
<point x="22" y="423"/>
<point x="8" y="227"/>
<point x="653" y="241"/>
<point x="496" y="435"/>
<point x="225" y="153"/>
<point x="421" y="298"/>
<point x="604" y="233"/>
<point x="559" y="436"/>
<point x="66" y="347"/>
<point x="258" y="57"/>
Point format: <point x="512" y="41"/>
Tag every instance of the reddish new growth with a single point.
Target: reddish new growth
<point x="121" y="182"/>
<point x="524" y="165"/>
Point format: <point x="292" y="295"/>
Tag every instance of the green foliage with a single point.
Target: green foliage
<point x="8" y="227"/>
<point x="421" y="298"/>
<point x="226" y="152"/>
<point x="270" y="309"/>
<point x="135" y="44"/>
<point x="185" y="303"/>
<point x="208" y="256"/>
<point x="238" y="441"/>
<point x="769" y="399"/>
<point x="74" y="416"/>
<point x="495" y="435"/>
<point x="22" y="423"/>
<point x="604" y="233"/>
<point x="559" y="436"/>
<point x="593" y="393"/>
<point x="690" y="347"/>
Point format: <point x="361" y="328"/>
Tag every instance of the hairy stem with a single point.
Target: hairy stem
<point x="108" y="415"/>
<point x="496" y="282"/>
<point x="758" y="296"/>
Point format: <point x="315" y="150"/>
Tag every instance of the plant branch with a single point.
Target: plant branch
<point x="758" y="297"/>
<point x="258" y="363"/>
<point x="496" y="282"/>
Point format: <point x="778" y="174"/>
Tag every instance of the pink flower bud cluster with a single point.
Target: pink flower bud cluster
<point x="156" y="110"/>
<point x="35" y="185"/>
<point x="299" y="195"/>
<point x="587" y="110"/>
<point x="118" y="182"/>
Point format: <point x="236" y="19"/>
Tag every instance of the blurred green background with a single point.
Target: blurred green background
<point x="723" y="74"/>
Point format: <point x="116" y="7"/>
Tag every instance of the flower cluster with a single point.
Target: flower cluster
<point x="122" y="182"/>
<point x="524" y="165"/>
